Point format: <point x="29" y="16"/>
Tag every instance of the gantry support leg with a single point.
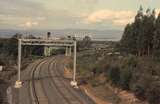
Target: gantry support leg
<point x="69" y="51"/>
<point x="18" y="83"/>
<point x="74" y="82"/>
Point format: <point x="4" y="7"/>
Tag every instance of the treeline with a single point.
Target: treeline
<point x="142" y="37"/>
<point x="138" y="75"/>
<point x="9" y="49"/>
<point x="141" y="75"/>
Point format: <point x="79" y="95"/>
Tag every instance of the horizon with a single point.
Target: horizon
<point x="50" y="29"/>
<point x="108" y="35"/>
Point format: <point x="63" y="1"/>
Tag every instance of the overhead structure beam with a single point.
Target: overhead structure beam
<point x="47" y="42"/>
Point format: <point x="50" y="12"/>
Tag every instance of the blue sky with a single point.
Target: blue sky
<point x="61" y="14"/>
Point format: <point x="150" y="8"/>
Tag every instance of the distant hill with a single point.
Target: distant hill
<point x="113" y="35"/>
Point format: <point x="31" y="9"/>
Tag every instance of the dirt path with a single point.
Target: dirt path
<point x="92" y="95"/>
<point x="122" y="97"/>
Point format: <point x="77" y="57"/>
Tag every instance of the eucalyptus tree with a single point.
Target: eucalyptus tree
<point x="156" y="44"/>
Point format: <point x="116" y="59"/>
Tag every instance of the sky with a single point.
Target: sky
<point x="71" y="14"/>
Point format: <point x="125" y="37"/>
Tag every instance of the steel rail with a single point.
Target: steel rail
<point x="56" y="86"/>
<point x="62" y="82"/>
<point x="32" y="87"/>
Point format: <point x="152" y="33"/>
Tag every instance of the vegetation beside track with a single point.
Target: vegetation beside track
<point x="136" y="69"/>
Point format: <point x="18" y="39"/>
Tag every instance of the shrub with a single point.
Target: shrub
<point x="139" y="91"/>
<point x="94" y="83"/>
<point x="1" y="100"/>
<point x="153" y="94"/>
<point x="97" y="69"/>
<point x="125" y="78"/>
<point x="1" y="62"/>
<point x="114" y="74"/>
<point x="130" y="61"/>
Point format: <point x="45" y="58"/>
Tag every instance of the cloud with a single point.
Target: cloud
<point x="157" y="12"/>
<point x="34" y="14"/>
<point x="17" y="13"/>
<point x="28" y="13"/>
<point x="116" y="17"/>
<point x="89" y="1"/>
<point x="29" y="24"/>
<point x="122" y="22"/>
<point x="21" y="7"/>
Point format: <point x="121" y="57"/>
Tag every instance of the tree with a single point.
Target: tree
<point x="131" y="39"/>
<point x="35" y="50"/>
<point x="86" y="42"/>
<point x="138" y="37"/>
<point x="148" y="28"/>
<point x="11" y="46"/>
<point x="156" y="44"/>
<point x="128" y="41"/>
<point x="138" y="30"/>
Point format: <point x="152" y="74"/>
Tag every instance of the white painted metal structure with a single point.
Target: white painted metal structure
<point x="45" y="42"/>
<point x="1" y="68"/>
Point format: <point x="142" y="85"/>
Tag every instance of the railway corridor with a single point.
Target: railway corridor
<point x="44" y="84"/>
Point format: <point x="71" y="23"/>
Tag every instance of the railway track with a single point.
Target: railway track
<point x="47" y="85"/>
<point x="36" y="91"/>
<point x="62" y="88"/>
